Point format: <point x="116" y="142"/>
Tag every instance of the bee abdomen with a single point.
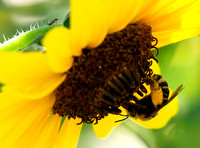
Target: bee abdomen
<point x="165" y="92"/>
<point x="163" y="84"/>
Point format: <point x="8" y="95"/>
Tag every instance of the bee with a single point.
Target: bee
<point x="145" y="108"/>
<point x="52" y="22"/>
<point x="149" y="106"/>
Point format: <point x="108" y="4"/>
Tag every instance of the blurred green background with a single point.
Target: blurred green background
<point x="179" y="64"/>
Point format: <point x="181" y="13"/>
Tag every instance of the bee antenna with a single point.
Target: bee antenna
<point x="122" y="119"/>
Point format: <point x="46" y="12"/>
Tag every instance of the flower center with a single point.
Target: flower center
<point x="104" y="78"/>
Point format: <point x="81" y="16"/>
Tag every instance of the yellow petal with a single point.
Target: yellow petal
<point x="58" y="49"/>
<point x="174" y="21"/>
<point x="163" y="117"/>
<point x="105" y="125"/>
<point x="28" y="75"/>
<point x="88" y="24"/>
<point x="145" y="8"/>
<point x="155" y="67"/>
<point x="69" y="134"/>
<point x="172" y="36"/>
<point x="152" y="9"/>
<point x="31" y="135"/>
<point x="19" y="116"/>
<point x="44" y="136"/>
<point x="50" y="132"/>
<point x="121" y="13"/>
<point x="169" y="10"/>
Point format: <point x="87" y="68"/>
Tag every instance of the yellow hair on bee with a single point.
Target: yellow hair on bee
<point x="156" y="93"/>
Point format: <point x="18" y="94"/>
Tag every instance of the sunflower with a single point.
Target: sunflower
<point x="34" y="84"/>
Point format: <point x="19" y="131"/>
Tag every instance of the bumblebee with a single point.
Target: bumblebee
<point x="149" y="106"/>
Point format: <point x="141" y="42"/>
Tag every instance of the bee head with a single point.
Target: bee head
<point x="132" y="113"/>
<point x="145" y="117"/>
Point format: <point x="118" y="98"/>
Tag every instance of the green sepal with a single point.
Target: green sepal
<point x="1" y="85"/>
<point x="25" y="39"/>
<point x="62" y="121"/>
<point x="66" y="21"/>
<point x="35" y="45"/>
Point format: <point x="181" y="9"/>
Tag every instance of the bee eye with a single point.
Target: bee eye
<point x="144" y="117"/>
<point x="132" y="113"/>
<point x="148" y="118"/>
<point x="153" y="115"/>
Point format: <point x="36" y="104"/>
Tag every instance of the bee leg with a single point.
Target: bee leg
<point x="143" y="89"/>
<point x="140" y="93"/>
<point x="122" y="119"/>
<point x="134" y="98"/>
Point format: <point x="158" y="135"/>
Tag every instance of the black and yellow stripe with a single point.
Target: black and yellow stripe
<point x="163" y="85"/>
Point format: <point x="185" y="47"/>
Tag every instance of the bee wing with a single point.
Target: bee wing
<point x="174" y="94"/>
